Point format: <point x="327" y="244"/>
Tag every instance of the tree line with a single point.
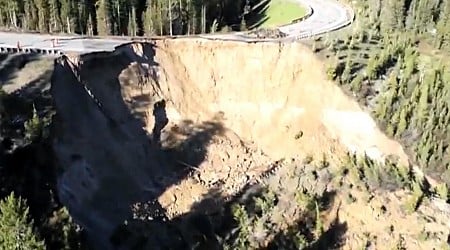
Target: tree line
<point x="407" y="87"/>
<point x="413" y="102"/>
<point x="126" y="17"/>
<point x="423" y="18"/>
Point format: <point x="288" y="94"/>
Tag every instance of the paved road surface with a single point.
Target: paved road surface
<point x="326" y="15"/>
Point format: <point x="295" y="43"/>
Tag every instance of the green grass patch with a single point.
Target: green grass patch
<point x="280" y="12"/>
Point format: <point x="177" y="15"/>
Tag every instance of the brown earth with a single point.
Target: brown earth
<point x="232" y="111"/>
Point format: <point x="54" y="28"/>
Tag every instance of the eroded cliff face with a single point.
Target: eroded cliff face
<point x="272" y="100"/>
<point x="107" y="159"/>
<point x="267" y="93"/>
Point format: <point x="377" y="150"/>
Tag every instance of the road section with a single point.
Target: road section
<point x="325" y="16"/>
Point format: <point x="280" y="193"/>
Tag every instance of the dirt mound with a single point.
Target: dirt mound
<point x="215" y="115"/>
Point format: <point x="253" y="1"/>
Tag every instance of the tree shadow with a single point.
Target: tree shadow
<point x="190" y="151"/>
<point x="19" y="105"/>
<point x="11" y="63"/>
<point x="231" y="13"/>
<point x="258" y="15"/>
<point x="333" y="237"/>
<point x="211" y="224"/>
<point x="197" y="229"/>
<point x="182" y="155"/>
<point x="356" y="67"/>
<point x="27" y="167"/>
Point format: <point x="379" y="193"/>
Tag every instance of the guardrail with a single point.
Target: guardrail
<point x="347" y="19"/>
<point x="29" y="50"/>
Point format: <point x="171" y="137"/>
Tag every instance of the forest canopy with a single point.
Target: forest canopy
<point x="128" y="17"/>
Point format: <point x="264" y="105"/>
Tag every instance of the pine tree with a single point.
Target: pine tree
<point x="410" y="22"/>
<point x="371" y="69"/>
<point x="55" y="18"/>
<point x="422" y="108"/>
<point x="161" y="16"/>
<point x="116" y="17"/>
<point x="170" y="17"/>
<point x="131" y="26"/>
<point x="346" y="74"/>
<point x="392" y="14"/>
<point x="31" y="15"/>
<point x="82" y="17"/>
<point x="381" y="109"/>
<point x="149" y="28"/>
<point x="190" y="10"/>
<point x="424" y="14"/>
<point x="104" y="22"/>
<point x="410" y="63"/>
<point x="33" y="128"/>
<point x="12" y="7"/>
<point x="89" y="25"/>
<point x="374" y="10"/>
<point x="43" y="14"/>
<point x="16" y="230"/>
<point x="403" y="121"/>
<point x="65" y="15"/>
<point x="68" y="18"/>
<point x="443" y="26"/>
<point x="74" y="20"/>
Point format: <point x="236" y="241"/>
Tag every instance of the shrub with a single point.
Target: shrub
<point x="34" y="127"/>
<point x="331" y="72"/>
<point x="16" y="229"/>
<point x="442" y="191"/>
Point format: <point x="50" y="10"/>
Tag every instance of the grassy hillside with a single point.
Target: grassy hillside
<point x="280" y="12"/>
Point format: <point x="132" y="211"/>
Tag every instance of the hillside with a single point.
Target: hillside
<point x="335" y="142"/>
<point x="212" y="140"/>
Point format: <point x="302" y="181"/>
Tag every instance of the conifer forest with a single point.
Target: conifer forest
<point x="124" y="17"/>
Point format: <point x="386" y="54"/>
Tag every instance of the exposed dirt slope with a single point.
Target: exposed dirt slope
<point x="231" y="110"/>
<point x="268" y="94"/>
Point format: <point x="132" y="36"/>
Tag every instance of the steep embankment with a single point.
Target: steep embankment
<point x="269" y="93"/>
<point x="232" y="109"/>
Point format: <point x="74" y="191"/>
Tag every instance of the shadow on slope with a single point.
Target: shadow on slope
<point x="19" y="106"/>
<point x="214" y="223"/>
<point x="26" y="165"/>
<point x="107" y="161"/>
<point x="11" y="63"/>
<point x="112" y="171"/>
<point x="190" y="152"/>
<point x="258" y="15"/>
